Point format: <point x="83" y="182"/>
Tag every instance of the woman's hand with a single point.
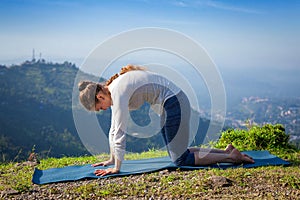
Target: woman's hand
<point x="104" y="163"/>
<point x="103" y="172"/>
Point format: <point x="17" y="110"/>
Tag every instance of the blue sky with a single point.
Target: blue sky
<point x="236" y="34"/>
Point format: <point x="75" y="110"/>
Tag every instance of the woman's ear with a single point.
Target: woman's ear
<point x="100" y="96"/>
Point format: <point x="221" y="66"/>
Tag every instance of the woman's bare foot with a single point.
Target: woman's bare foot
<point x="237" y="157"/>
<point x="247" y="156"/>
<point x="229" y="148"/>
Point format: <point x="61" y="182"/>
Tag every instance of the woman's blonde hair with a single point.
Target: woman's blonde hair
<point x="88" y="89"/>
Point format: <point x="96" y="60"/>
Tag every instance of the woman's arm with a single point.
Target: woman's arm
<point x="117" y="136"/>
<point x="116" y="140"/>
<point x="111" y="161"/>
<point x="117" y="154"/>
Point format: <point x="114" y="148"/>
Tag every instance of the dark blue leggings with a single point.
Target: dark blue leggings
<point x="175" y="131"/>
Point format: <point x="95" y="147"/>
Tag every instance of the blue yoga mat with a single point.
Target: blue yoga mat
<point x="130" y="167"/>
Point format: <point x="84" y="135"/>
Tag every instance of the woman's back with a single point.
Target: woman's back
<point x="139" y="86"/>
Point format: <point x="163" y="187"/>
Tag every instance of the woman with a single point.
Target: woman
<point x="130" y="89"/>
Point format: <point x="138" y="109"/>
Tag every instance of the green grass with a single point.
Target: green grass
<point x="258" y="182"/>
<point x="18" y="176"/>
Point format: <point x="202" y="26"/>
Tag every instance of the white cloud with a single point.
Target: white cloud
<point x="180" y="4"/>
<point x="216" y="5"/>
<point x="223" y="6"/>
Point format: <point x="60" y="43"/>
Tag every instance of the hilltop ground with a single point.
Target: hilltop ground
<point x="256" y="183"/>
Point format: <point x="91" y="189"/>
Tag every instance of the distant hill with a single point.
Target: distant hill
<point x="35" y="106"/>
<point x="36" y="113"/>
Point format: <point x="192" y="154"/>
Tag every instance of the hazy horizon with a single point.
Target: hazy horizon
<point x="238" y="84"/>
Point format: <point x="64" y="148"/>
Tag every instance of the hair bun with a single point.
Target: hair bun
<point x="83" y="84"/>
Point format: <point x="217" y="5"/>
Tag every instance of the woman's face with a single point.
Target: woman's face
<point x="104" y="101"/>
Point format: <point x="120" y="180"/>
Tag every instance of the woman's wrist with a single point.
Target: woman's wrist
<point x="118" y="164"/>
<point x="117" y="170"/>
<point x="112" y="158"/>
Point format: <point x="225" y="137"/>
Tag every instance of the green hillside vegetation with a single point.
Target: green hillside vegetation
<point x="35" y="106"/>
<point x="272" y="182"/>
<point x="36" y="112"/>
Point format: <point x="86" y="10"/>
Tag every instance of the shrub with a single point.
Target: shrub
<point x="266" y="137"/>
